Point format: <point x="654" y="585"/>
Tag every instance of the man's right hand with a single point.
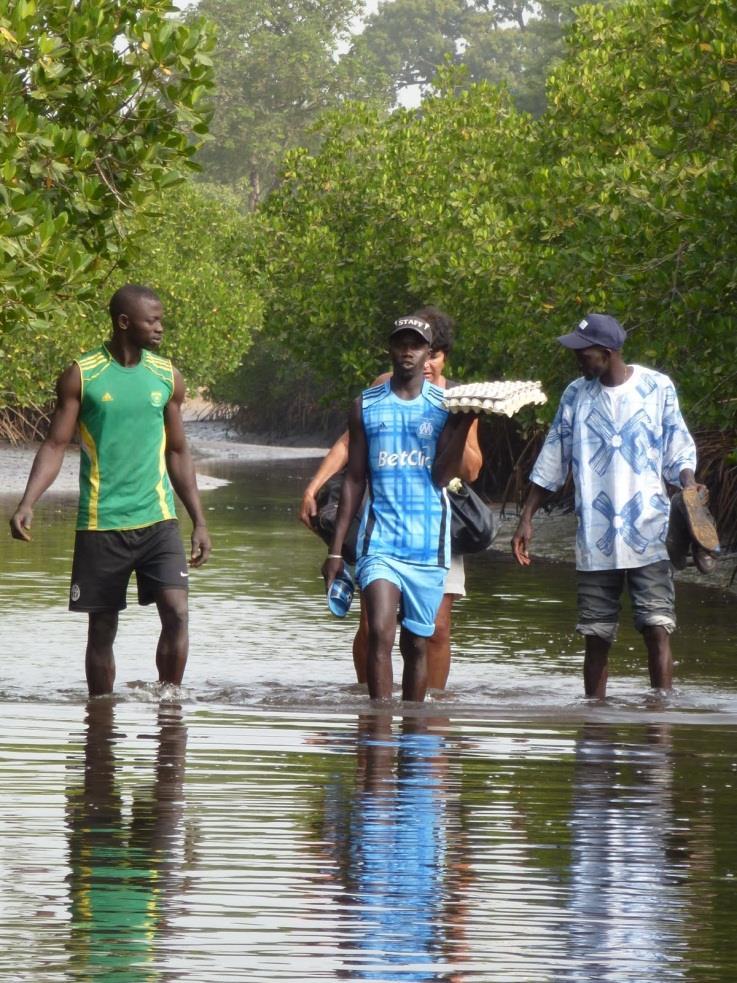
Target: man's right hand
<point x="308" y="510"/>
<point x="20" y="524"/>
<point x="521" y="541"/>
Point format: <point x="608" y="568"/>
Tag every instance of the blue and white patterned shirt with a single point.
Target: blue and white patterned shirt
<point x="620" y="442"/>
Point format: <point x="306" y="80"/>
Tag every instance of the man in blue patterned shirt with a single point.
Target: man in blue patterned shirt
<point x="620" y="432"/>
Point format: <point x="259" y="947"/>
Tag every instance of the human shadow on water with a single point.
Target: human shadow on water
<point x="125" y="879"/>
<point x="395" y="839"/>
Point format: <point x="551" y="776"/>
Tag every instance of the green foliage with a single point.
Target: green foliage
<point x="520" y="47"/>
<point x="98" y="104"/>
<point x="391" y="213"/>
<point x="276" y="72"/>
<point x="510" y="42"/>
<point x="405" y="42"/>
<point x="339" y="219"/>
<point x="279" y="66"/>
<point x="190" y="252"/>
<point x="640" y="178"/>
<point x="621" y="197"/>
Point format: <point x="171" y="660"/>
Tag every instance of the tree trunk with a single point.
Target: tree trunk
<point x="254" y="179"/>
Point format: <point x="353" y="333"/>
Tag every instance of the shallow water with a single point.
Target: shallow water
<point x="266" y="824"/>
<point x="262" y="635"/>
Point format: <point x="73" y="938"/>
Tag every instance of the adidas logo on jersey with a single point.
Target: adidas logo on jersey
<point x="107" y="398"/>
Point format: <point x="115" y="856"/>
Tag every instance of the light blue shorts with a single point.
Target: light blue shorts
<point x="421" y="587"/>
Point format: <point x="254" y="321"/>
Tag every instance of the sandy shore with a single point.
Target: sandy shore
<point x="208" y="441"/>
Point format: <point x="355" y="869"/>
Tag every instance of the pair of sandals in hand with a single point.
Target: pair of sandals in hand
<point x="692" y="530"/>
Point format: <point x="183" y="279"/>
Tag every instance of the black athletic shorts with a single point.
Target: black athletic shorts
<point x="104" y="561"/>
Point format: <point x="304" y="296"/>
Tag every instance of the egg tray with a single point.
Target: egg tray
<point x="503" y="398"/>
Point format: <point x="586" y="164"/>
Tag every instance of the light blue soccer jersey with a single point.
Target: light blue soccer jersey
<point x="406" y="515"/>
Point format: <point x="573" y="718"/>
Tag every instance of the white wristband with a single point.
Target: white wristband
<point x="334" y="556"/>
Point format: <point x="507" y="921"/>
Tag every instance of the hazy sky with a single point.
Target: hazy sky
<point x="371" y="6"/>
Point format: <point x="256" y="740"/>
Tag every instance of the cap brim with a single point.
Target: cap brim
<point x="575" y="340"/>
<point x="406" y="327"/>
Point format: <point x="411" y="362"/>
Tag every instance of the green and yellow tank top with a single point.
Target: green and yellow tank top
<point x="123" y="482"/>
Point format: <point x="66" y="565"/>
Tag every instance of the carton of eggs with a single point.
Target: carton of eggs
<point x="504" y="398"/>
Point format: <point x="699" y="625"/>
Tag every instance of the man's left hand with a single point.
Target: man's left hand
<point x="201" y="546"/>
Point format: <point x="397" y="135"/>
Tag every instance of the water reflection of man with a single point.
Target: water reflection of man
<point x="626" y="889"/>
<point x="123" y="871"/>
<point x="396" y="840"/>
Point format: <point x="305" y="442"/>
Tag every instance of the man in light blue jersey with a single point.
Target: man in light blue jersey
<point x="438" y="651"/>
<point x="395" y="448"/>
<point x="620" y="432"/>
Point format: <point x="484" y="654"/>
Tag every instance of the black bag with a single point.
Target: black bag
<point x="327" y="500"/>
<point x="473" y="525"/>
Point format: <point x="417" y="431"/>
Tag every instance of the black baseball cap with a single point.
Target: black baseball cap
<point x="416" y="324"/>
<point x="596" y="329"/>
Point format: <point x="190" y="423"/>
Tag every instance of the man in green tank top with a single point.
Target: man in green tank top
<point x="126" y="402"/>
